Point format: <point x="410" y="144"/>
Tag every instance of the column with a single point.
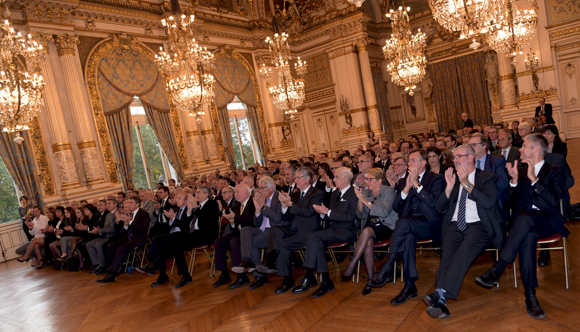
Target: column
<point x="61" y="147"/>
<point x="80" y="108"/>
<point x="369" y="89"/>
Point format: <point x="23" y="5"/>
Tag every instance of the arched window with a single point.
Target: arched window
<point x="9" y="194"/>
<point x="241" y="136"/>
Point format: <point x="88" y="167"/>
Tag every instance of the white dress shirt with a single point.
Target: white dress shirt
<point x="471" y="214"/>
<point x="39" y="223"/>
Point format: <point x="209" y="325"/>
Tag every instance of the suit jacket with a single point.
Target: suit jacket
<point x="343" y="210"/>
<point x="485" y="195"/>
<point x="102" y="218"/>
<point x="512" y="156"/>
<point x="320" y="185"/>
<point x="422" y="202"/>
<point x="245" y="218"/>
<point x="162" y="224"/>
<point x="301" y="214"/>
<point x="560" y="148"/>
<point x="149" y="206"/>
<point x="108" y="228"/>
<point x="207" y="221"/>
<point x="560" y="160"/>
<point x="545" y="194"/>
<point x="468" y="123"/>
<point x="547" y="112"/>
<point x="382" y="207"/>
<point x="287" y="187"/>
<point x="496" y="165"/>
<point x="490" y="146"/>
<point x="272" y="212"/>
<point x="137" y="231"/>
<point x="379" y="164"/>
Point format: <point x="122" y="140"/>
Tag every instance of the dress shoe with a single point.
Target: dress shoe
<point x="534" y="308"/>
<point x="245" y="266"/>
<point x="304" y="286"/>
<point x="367" y="290"/>
<point x="404" y="295"/>
<point x="345" y="278"/>
<point x="544" y="258"/>
<point x="102" y="270"/>
<point x="160" y="281"/>
<point x="285" y="287"/>
<point x="146" y="270"/>
<point x="324" y="288"/>
<point x="239" y="282"/>
<point x="184" y="281"/>
<point x="44" y="264"/>
<point x="259" y="282"/>
<point x="438" y="310"/>
<point x="108" y="279"/>
<point x="266" y="269"/>
<point x="489" y="279"/>
<point x="380" y="279"/>
<point x="223" y="279"/>
<point x="22" y="259"/>
<point x="94" y="269"/>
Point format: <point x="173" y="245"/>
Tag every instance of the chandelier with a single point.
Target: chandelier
<point x="405" y="52"/>
<point x="288" y="93"/>
<point x="186" y="67"/>
<point x="21" y="93"/>
<point x="510" y="33"/>
<point x="469" y="17"/>
<point x="357" y="3"/>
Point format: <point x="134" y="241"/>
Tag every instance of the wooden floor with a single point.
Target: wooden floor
<point x="50" y="300"/>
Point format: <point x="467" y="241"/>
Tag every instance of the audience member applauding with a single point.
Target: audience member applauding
<point x="555" y="144"/>
<point x="37" y="227"/>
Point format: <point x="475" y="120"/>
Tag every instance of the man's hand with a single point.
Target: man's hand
<point x="513" y="171"/>
<point x="259" y="201"/>
<point x="285" y="199"/>
<point x="414" y="176"/>
<point x="157" y="206"/>
<point x="531" y="171"/>
<point x="462" y="174"/>
<point x="170" y="214"/>
<point x="320" y="208"/>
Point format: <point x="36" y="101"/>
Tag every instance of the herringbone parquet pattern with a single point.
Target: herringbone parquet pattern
<point x="50" y="300"/>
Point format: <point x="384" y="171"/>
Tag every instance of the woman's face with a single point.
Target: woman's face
<point x="87" y="212"/>
<point x="277" y="181"/>
<point x="372" y="134"/>
<point x="66" y="213"/>
<point x="50" y="215"/>
<point x="24" y="201"/>
<point x="433" y="159"/>
<point x="549" y="135"/>
<point x="59" y="214"/>
<point x="78" y="213"/>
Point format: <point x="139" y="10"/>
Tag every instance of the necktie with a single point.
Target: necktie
<point x="302" y="194"/>
<point x="477" y="163"/>
<point x="461" y="224"/>
<point x="242" y="209"/>
<point x="265" y="221"/>
<point x="339" y="196"/>
<point x="505" y="154"/>
<point x="179" y="214"/>
<point x="130" y="230"/>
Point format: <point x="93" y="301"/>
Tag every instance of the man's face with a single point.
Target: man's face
<point x="493" y="135"/>
<point x="542" y="101"/>
<point x="405" y="147"/>
<point x="440" y="144"/>
<point x="523" y="132"/>
<point x="399" y="167"/>
<point x="463" y="117"/>
<point x="130" y="205"/>
<point x="36" y="212"/>
<point x="144" y="195"/>
<point x="181" y="200"/>
<point x="241" y="194"/>
<point x="503" y="140"/>
<point x="200" y="195"/>
<point x="432" y="140"/>
<point x="171" y="183"/>
<point x="335" y="166"/>
<point x="101" y="206"/>
<point x="227" y="194"/>
<point x="341" y="180"/>
<point x="120" y="198"/>
<point x="459" y="132"/>
<point x="217" y="173"/>
<point x="83" y="204"/>
<point x="477" y="145"/>
<point x="266" y="191"/>
<point x="449" y="143"/>
<point x="515" y="125"/>
<point x="221" y="184"/>
<point x="416" y="161"/>
<point x="364" y="164"/>
<point x="162" y="194"/>
<point x="288" y="176"/>
<point x="461" y="158"/>
<point x="111" y="206"/>
<point x="486" y="131"/>
<point x="248" y="181"/>
<point x="251" y="173"/>
<point x="302" y="182"/>
<point x="384" y="154"/>
<point x="528" y="151"/>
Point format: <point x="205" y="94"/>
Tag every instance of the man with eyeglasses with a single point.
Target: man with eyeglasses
<point x="489" y="163"/>
<point x="471" y="220"/>
<point x="493" y="139"/>
<point x="405" y="147"/>
<point x="505" y="147"/>
<point x="365" y="163"/>
<point x="418" y="220"/>
<point x="268" y="215"/>
<point x="289" y="174"/>
<point x="397" y="171"/>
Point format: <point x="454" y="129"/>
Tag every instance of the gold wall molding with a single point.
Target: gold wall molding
<point x="191" y="133"/>
<point x="564" y="32"/>
<point x="86" y="144"/>
<point x="277" y="124"/>
<point x="41" y="159"/>
<point x="564" y="47"/>
<point x="320" y="95"/>
<point x="315" y="107"/>
<point x="356" y="110"/>
<point x="525" y="73"/>
<point x="56" y="147"/>
<point x="206" y="132"/>
<point x="372" y="107"/>
<point x="362" y="128"/>
<point x="65" y="44"/>
<point x="541" y="93"/>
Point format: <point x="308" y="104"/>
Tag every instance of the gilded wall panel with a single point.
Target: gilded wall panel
<point x="562" y="10"/>
<point x="318" y="72"/>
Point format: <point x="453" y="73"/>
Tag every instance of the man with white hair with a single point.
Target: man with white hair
<point x="466" y="120"/>
<point x="148" y="204"/>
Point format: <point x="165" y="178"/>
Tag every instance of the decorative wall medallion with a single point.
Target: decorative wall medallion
<point x="148" y="31"/>
<point x="332" y="120"/>
<point x="90" y="24"/>
<point x="91" y="164"/>
<point x="570" y="70"/>
<point x="573" y="101"/>
<point x="319" y="123"/>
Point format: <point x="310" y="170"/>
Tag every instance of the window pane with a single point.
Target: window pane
<point x="151" y="147"/>
<point x="237" y="154"/>
<point x="8" y="199"/>
<point x="246" y="141"/>
<point x="139" y="178"/>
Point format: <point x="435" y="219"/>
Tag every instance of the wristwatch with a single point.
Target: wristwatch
<point x="467" y="186"/>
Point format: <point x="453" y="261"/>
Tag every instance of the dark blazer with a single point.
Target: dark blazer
<point x="272" y="212"/>
<point x="496" y="165"/>
<point x="468" y="123"/>
<point x="138" y="229"/>
<point x="108" y="228"/>
<point x="92" y="223"/>
<point x="512" y="156"/>
<point x="343" y="210"/>
<point x="433" y="186"/>
<point x="560" y="160"/>
<point x="287" y="187"/>
<point x="547" y="112"/>
<point x="301" y="214"/>
<point x="245" y="219"/>
<point x="490" y="146"/>
<point x="560" y="148"/>
<point x="545" y="194"/>
<point x="320" y="185"/>
<point x="485" y="195"/>
<point x="379" y="164"/>
<point x="207" y="222"/>
<point x="159" y="214"/>
<point x="184" y="221"/>
<point x="102" y="218"/>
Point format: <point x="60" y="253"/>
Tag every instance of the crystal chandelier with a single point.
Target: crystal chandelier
<point x="357" y="3"/>
<point x="405" y="52"/>
<point x="288" y="93"/>
<point x="187" y="67"/>
<point x="21" y="93"/>
<point x="514" y="30"/>
<point x="470" y="17"/>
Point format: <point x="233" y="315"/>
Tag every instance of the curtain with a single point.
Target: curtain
<point x="121" y="134"/>
<point x="19" y="160"/>
<point x="459" y="86"/>
<point x="382" y="104"/>
<point x="254" y="122"/>
<point x="161" y="125"/>
<point x="224" y="121"/>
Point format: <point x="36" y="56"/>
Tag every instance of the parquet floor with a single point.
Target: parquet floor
<point x="50" y="300"/>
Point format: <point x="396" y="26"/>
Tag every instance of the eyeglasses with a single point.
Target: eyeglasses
<point x="363" y="161"/>
<point x="298" y="177"/>
<point x="262" y="188"/>
<point x="368" y="179"/>
<point x="227" y="192"/>
<point x="399" y="165"/>
<point x="473" y="145"/>
<point x="459" y="156"/>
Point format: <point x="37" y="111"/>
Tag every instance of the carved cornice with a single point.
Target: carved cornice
<point x="315" y="107"/>
<point x="565" y="32"/>
<point x="65" y="44"/>
<point x="564" y="47"/>
<point x="525" y="73"/>
<point x="562" y="23"/>
<point x="539" y="94"/>
<point x="133" y="5"/>
<point x="277" y="124"/>
<point x="357" y="110"/>
<point x="320" y="95"/>
<point x="338" y="52"/>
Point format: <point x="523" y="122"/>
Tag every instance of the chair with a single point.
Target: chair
<point x="136" y="252"/>
<point x="378" y="245"/>
<point x="422" y="242"/>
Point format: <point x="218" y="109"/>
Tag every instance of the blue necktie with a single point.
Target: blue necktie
<point x="477" y="164"/>
<point x="461" y="224"/>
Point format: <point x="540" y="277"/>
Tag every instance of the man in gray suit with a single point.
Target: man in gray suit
<point x="505" y="147"/>
<point x="95" y="247"/>
<point x="268" y="213"/>
<point x="148" y="204"/>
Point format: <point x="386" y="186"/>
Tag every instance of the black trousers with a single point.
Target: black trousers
<point x="117" y="251"/>
<point x="286" y="246"/>
<point x="523" y="237"/>
<point x="277" y="235"/>
<point x="229" y="242"/>
<point x="158" y="243"/>
<point x="175" y="246"/>
<point x="408" y="230"/>
<point x="317" y="242"/>
<point x="458" y="250"/>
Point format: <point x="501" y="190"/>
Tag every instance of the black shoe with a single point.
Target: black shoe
<point x="102" y="270"/>
<point x="94" y="269"/>
<point x="345" y="278"/>
<point x="380" y="279"/>
<point x="147" y="270"/>
<point x="239" y="282"/>
<point x="438" y="310"/>
<point x="489" y="279"/>
<point x="223" y="279"/>
<point x="266" y="269"/>
<point x="324" y="288"/>
<point x="245" y="266"/>
<point x="160" y="281"/>
<point x="534" y="308"/>
<point x="404" y="295"/>
<point x="304" y="286"/>
<point x="184" y="281"/>
<point x="431" y="299"/>
<point x="259" y="282"/>
<point x="108" y="279"/>
<point x="544" y="258"/>
<point x="285" y="287"/>
<point x="367" y="290"/>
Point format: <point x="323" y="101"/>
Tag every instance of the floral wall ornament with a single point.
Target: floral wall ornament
<point x="570" y="70"/>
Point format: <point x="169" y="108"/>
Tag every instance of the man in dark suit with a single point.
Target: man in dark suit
<point x="289" y="174"/>
<point x="268" y="214"/>
<point x="298" y="211"/>
<point x="341" y="215"/>
<point x="136" y="225"/>
<point x="241" y="216"/>
<point x="545" y="109"/>
<point x="534" y="195"/>
<point x="493" y="139"/>
<point x="489" y="163"/>
<point x="96" y="247"/>
<point x="471" y="220"/>
<point x="161" y="227"/>
<point x="384" y="161"/>
<point x="418" y="220"/>
<point x="505" y="147"/>
<point x="466" y="121"/>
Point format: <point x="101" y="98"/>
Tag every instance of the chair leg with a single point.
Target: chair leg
<point x="515" y="274"/>
<point x="172" y="266"/>
<point x="395" y="273"/>
<point x="496" y="259"/>
<point x="357" y="272"/>
<point x="566" y="262"/>
<point x="334" y="261"/>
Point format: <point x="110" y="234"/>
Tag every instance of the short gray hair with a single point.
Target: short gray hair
<point x="268" y="182"/>
<point x="538" y="139"/>
<point x="205" y="189"/>
<point x="346" y="171"/>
